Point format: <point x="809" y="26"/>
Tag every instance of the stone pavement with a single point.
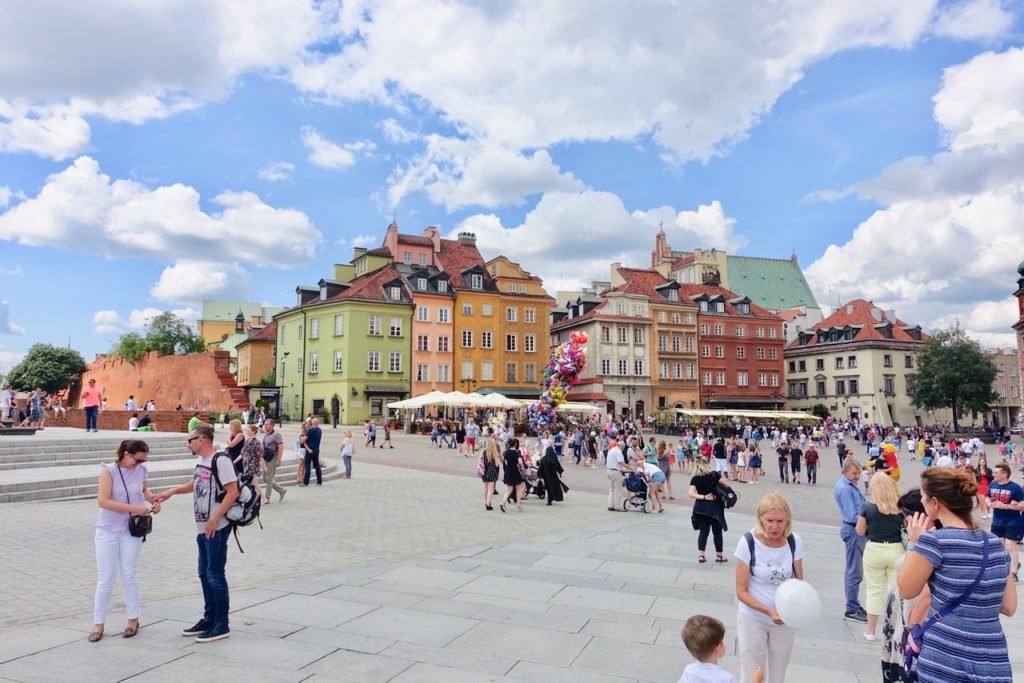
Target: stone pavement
<point x="399" y="574"/>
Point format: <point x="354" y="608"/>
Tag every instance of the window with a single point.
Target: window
<point x="691" y="371"/>
<point x="819" y="364"/>
<point x="476" y="281"/>
<point x="820" y="388"/>
<point x="741" y="352"/>
<point x="677" y="370"/>
<point x="314" y="328"/>
<point x="663" y="370"/>
<point x="442" y="286"/>
<point x="854" y="386"/>
<point x="511" y="314"/>
<point x="673" y="295"/>
<point x="890" y="384"/>
<point x="422" y="342"/>
<point x="396" y="326"/>
<point x="720" y="306"/>
<point x="691" y="344"/>
<point x="663" y="342"/>
<point x="300" y="366"/>
<point x="839" y="362"/>
<point x="407" y="257"/>
<point x="620" y="308"/>
<point x="422" y="372"/>
<point x="443" y="315"/>
<point x="606" y="366"/>
<point x="841" y="387"/>
<point x="762" y="379"/>
<point x="512" y="288"/>
<point x="282" y="370"/>
<point x="887" y="361"/>
<point x="511" y="372"/>
<point x="623" y="366"/>
<point x="742" y="379"/>
<point x="705" y="330"/>
<point x="741" y="331"/>
<point x="374" y="326"/>
<point x="442" y="344"/>
<point x="606" y="333"/>
<point x="510" y="342"/>
<point x="908" y="361"/>
<point x="774" y="379"/>
<point x="373" y="361"/>
<point x="851" y="362"/>
<point x="486" y="309"/>
<point x="638" y="367"/>
<point x="743" y="308"/>
<point x="677" y="343"/>
<point x="467" y="339"/>
<point x="720" y="378"/>
<point x="395" y="293"/>
<point x="792" y="366"/>
<point x="719" y="329"/>
<point x="638" y="309"/>
<point x="759" y="332"/>
<point x="531" y="315"/>
<point x="395" y="362"/>
<point x="760" y="353"/>
<point x="719" y="351"/>
<point x="676" y="318"/>
<point x="704" y="307"/>
<point x="773" y="354"/>
<point x="707" y="377"/>
<point x="422" y="314"/>
<point x="421" y="283"/>
<point x="623" y="335"/>
<point x="443" y="371"/>
<point x="638" y="335"/>
<point x="486" y="371"/>
<point x="339" y="325"/>
<point x="689" y="318"/>
<point x="662" y="317"/>
<point x="529" y="343"/>
<point x="522" y="289"/>
<point x="284" y="330"/>
<point x="772" y="334"/>
<point x="314" y="363"/>
<point x="467" y="369"/>
<point x="301" y="330"/>
<point x="529" y="372"/>
<point x="423" y="259"/>
<point x="486" y="340"/>
<point x="705" y="351"/>
<point x="467" y="308"/>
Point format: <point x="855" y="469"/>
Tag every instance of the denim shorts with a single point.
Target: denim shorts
<point x="658" y="478"/>
<point x="1014" y="532"/>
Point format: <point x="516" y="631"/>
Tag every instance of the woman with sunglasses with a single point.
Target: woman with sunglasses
<point x="123" y="492"/>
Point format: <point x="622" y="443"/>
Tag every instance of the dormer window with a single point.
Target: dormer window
<point x="743" y="308"/>
<point x="704" y="306"/>
<point x="673" y="295"/>
<point x="396" y="293"/>
<point x="476" y="281"/>
<point x="442" y="286"/>
<point x="323" y="294"/>
<point x="421" y="283"/>
<point x="720" y="306"/>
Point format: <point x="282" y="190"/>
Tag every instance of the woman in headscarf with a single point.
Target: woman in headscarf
<point x="548" y="471"/>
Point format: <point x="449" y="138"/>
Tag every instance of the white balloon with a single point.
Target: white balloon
<point x="798" y="603"/>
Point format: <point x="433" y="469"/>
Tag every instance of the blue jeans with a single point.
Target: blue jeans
<point x="312" y="460"/>
<point x="854" y="564"/>
<point x="90" y="417"/>
<point x="213" y="556"/>
<point x="348" y="465"/>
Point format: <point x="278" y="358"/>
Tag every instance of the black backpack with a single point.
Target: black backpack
<point x="791" y="540"/>
<point x="246" y="508"/>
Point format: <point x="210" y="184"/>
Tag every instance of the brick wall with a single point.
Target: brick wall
<point x="164" y="420"/>
<point x="200" y="381"/>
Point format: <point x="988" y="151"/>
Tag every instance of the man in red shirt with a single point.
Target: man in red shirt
<point x="811" y="460"/>
<point x="92" y="397"/>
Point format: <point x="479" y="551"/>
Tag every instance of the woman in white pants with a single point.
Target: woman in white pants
<point x="766" y="557"/>
<point x="123" y="492"/>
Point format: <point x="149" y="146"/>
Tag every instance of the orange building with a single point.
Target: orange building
<point x="256" y="358"/>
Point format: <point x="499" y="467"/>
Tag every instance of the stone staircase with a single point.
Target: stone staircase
<point x="50" y="469"/>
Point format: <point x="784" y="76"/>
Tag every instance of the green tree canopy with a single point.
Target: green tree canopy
<point x="953" y="372"/>
<point x="166" y="333"/>
<point x="49" y="367"/>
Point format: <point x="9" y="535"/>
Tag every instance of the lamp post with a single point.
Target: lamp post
<point x="468" y="382"/>
<point x="707" y="394"/>
<point x="777" y="398"/>
<point x="628" y="390"/>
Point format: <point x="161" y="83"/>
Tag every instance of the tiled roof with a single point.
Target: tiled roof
<point x="573" y="322"/>
<point x="370" y="287"/>
<point x="455" y="257"/>
<point x="857" y="314"/>
<point x="642" y="281"/>
<point x="415" y="240"/>
<point x="379" y="251"/>
<point x="265" y="333"/>
<point x="688" y="292"/>
<point x="775" y="284"/>
<point x="683" y="260"/>
<point x="790" y="314"/>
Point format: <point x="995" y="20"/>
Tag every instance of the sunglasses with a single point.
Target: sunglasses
<point x="193" y="438"/>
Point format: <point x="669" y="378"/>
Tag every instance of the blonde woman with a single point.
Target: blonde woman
<point x="766" y="556"/>
<point x="881" y="521"/>
<point x="492" y="465"/>
<point x="348" y="447"/>
<point x="236" y="440"/>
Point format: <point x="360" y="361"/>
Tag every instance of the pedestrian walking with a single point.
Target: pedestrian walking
<point x="300" y="453"/>
<point x="549" y="471"/>
<point x="253" y="464"/>
<point x="123" y="492"/>
<point x="811" y="459"/>
<point x="1007" y="503"/>
<point x="513" y="478"/>
<point x="796" y="455"/>
<point x="273" y="450"/>
<point x="850" y="501"/>
<point x="880" y="522"/>
<point x="236" y="439"/>
<point x="615" y="467"/>
<point x="348" y="449"/>
<point x="491" y="460"/>
<point x="387" y="435"/>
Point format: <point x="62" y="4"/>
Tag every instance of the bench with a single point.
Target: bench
<point x="18" y="431"/>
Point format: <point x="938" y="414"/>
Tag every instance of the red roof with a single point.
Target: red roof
<point x="858" y="313"/>
<point x="641" y="281"/>
<point x="267" y="333"/>
<point x="379" y="251"/>
<point x="687" y="292"/>
<point x="791" y="314"/>
<point x="415" y="240"/>
<point x="371" y="286"/>
<point x="683" y="260"/>
<point x="455" y="257"/>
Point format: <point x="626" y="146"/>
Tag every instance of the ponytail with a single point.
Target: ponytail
<point x="131" y="446"/>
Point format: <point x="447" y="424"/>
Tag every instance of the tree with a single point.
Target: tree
<point x="952" y="372"/>
<point x="166" y="333"/>
<point x="269" y="380"/>
<point x="48" y="367"/>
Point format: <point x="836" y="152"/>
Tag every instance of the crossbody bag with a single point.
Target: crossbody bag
<point x="138" y="525"/>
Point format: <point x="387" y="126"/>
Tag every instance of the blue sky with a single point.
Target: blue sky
<point x="883" y="144"/>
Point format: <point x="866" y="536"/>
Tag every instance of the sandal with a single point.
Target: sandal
<point x="95" y="635"/>
<point x="721" y="559"/>
<point x="702" y="559"/>
<point x="131" y="631"/>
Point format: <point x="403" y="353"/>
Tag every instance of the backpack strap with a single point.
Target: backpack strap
<point x="750" y="545"/>
<point x="941" y="614"/>
<point x="791" y="540"/>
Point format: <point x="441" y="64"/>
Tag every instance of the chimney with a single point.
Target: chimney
<point x="467" y="238"/>
<point x="257" y="321"/>
<point x="616" y="278"/>
<point x="434" y="236"/>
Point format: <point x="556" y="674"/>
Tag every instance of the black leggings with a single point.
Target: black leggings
<point x="708" y="524"/>
<point x="312" y="461"/>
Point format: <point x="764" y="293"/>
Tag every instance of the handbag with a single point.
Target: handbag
<point x="138" y="525"/>
<point x="912" y="648"/>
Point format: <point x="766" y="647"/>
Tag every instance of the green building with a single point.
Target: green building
<point x="346" y="347"/>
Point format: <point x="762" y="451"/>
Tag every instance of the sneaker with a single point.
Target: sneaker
<point x="858" y="615"/>
<point x="201" y="627"/>
<point x="215" y="633"/>
<point x="870" y="637"/>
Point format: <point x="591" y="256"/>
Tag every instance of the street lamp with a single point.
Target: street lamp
<point x="628" y="391"/>
<point x="708" y="394"/>
<point x="468" y="382"/>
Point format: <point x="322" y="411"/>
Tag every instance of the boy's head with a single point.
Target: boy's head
<point x="703" y="636"/>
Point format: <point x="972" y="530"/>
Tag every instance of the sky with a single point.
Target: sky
<point x="153" y="154"/>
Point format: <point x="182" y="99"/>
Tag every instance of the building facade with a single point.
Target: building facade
<point x="220" y="320"/>
<point x="1006" y="411"/>
<point x="1019" y="329"/>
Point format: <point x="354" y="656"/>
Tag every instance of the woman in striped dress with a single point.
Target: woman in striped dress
<point x="968" y="643"/>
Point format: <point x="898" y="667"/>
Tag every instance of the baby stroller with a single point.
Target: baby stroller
<point x="637" y="497"/>
<point x="533" y="484"/>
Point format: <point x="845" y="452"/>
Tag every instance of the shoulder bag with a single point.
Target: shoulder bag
<point x="138" y="525"/>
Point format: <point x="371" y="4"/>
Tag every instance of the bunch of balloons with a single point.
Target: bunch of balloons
<point x="561" y="374"/>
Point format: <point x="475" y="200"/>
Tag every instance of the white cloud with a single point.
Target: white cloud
<point x="324" y="153"/>
<point x="946" y="243"/>
<point x="191" y="281"/>
<point x="8" y="359"/>
<point x="462" y="172"/>
<point x="111" y="322"/>
<point x="82" y="209"/>
<point x="973" y="20"/>
<point x="8" y="326"/>
<point x="363" y="240"/>
<point x="276" y="170"/>
<point x="569" y="238"/>
<point x="11" y="271"/>
<point x="396" y="133"/>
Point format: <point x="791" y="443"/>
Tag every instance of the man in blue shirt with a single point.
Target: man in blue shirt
<point x="850" y="499"/>
<point x="312" y="445"/>
<point x="1006" y="498"/>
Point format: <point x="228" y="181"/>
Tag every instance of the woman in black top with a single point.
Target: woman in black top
<point x="881" y="521"/>
<point x="460" y="438"/>
<point x="235" y="442"/>
<point x="708" y="510"/>
<point x="513" y="459"/>
<point x="549" y="470"/>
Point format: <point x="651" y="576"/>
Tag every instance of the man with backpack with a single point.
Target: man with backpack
<point x="214" y="488"/>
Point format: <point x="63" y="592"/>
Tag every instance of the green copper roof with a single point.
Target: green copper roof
<point x="775" y="284"/>
<point x="227" y="310"/>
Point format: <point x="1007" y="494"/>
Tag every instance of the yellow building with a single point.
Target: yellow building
<point x="221" y="320"/>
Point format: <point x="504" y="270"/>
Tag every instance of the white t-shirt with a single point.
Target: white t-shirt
<point x="614" y="461"/>
<point x="945" y="461"/>
<point x="702" y="672"/>
<point x="771" y="567"/>
<point x="133" y="424"/>
<point x="204" y="491"/>
<point x="650" y="469"/>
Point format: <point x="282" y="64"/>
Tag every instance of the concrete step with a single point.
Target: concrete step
<point x="13" y="444"/>
<point x="18" y="462"/>
<point x="90" y="451"/>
